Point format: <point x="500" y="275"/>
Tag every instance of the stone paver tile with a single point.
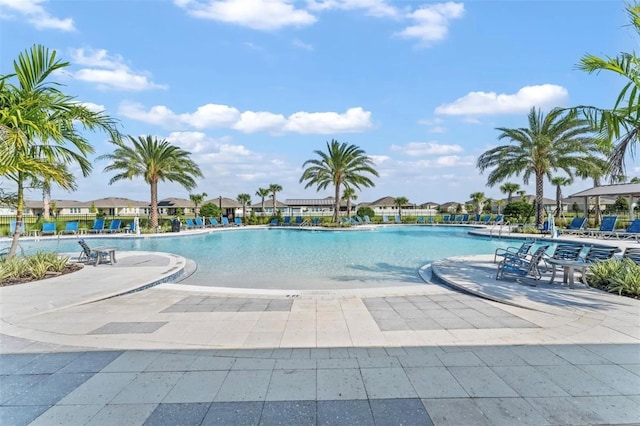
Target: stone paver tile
<point x="11" y="363"/>
<point x="634" y="368"/>
<point x="244" y="385"/>
<point x="390" y="324"/>
<point x="263" y="339"/>
<point x="91" y="362"/>
<point x="405" y="412"/>
<point x="18" y="384"/>
<point x="420" y="360"/>
<point x="253" y="364"/>
<point x="528" y="382"/>
<point x="619" y="353"/>
<point x="453" y="323"/>
<point x="50" y="390"/>
<point x="538" y="355"/>
<point x="338" y="363"/>
<point x="510" y="411"/>
<point x="576" y="354"/>
<point x="575" y="381"/>
<point x="134" y="361"/>
<point x="99" y="389"/>
<point x="481" y="382"/>
<point x="339" y="353"/>
<point x="20" y="415"/>
<point x="320" y="353"/>
<point x="334" y="413"/>
<point x="282" y="413"/>
<point x="300" y="353"/>
<point x="455" y="412"/>
<point x="340" y="384"/>
<point x="207" y="363"/>
<point x="498" y="356"/>
<point x="423" y="324"/>
<point x="281" y="353"/>
<point x="435" y="382"/>
<point x="129" y="328"/>
<point x="378" y="362"/>
<point x="616" y="377"/>
<point x="288" y="385"/>
<point x="123" y="414"/>
<point x="67" y="415"/>
<point x="563" y="411"/>
<point x="48" y="363"/>
<point x="196" y="386"/>
<point x="611" y="409"/>
<point x="383" y="383"/>
<point x="460" y="359"/>
<point x="171" y="362"/>
<point x="233" y="414"/>
<point x="148" y="388"/>
<point x="296" y="364"/>
<point x="178" y="414"/>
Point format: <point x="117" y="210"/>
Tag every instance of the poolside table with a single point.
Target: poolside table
<point x="101" y="252"/>
<point x="569" y="268"/>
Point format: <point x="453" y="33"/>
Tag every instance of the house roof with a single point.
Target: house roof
<point x="227" y="203"/>
<point x="329" y="202"/>
<point x="268" y="203"/>
<point x="430" y="203"/>
<point x="112" y="202"/>
<point x="174" y="202"/>
<point x="614" y="190"/>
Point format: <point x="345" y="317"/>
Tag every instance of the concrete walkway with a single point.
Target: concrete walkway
<point x="72" y="353"/>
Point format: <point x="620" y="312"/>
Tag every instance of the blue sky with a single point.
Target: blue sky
<point x="252" y="87"/>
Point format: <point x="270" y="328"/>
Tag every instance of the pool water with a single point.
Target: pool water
<point x="288" y="258"/>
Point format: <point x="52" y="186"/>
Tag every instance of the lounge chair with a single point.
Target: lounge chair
<point x="397" y="218"/>
<point x="596" y="254"/>
<point x="274" y="222"/>
<point x="97" y="254"/>
<point x="465" y="218"/>
<point x="190" y="223"/>
<point x="199" y="222"/>
<point x="486" y="220"/>
<point x="70" y="228"/>
<point x="522" y="266"/>
<point x="420" y="220"/>
<point x="632" y="253"/>
<point x="237" y="221"/>
<point x="476" y="219"/>
<point x="367" y="219"/>
<point x="114" y="226"/>
<point x="499" y="220"/>
<point x="430" y="220"/>
<point x="48" y="228"/>
<point x="633" y="231"/>
<point x="315" y="221"/>
<point x="130" y="228"/>
<point x="385" y="218"/>
<point x="214" y="222"/>
<point x="298" y="221"/>
<point x="12" y="228"/>
<point x="564" y="252"/>
<point x="98" y="226"/>
<point x="287" y="221"/>
<point x="225" y="221"/>
<point x="576" y="226"/>
<point x="445" y="218"/>
<point x="607" y="228"/>
<point x="359" y="220"/>
<point x="521" y="251"/>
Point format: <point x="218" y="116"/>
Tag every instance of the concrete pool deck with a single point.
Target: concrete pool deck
<point x="72" y="353"/>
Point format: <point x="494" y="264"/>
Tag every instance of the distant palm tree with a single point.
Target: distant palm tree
<point x="263" y="193"/>
<point x="349" y="195"/>
<point x="399" y="202"/>
<point x="244" y="199"/>
<point x="557" y="141"/>
<point x="499" y="203"/>
<point x="342" y="164"/>
<point x="154" y="160"/>
<point x="477" y="198"/>
<point x="597" y="169"/>
<point x="523" y="195"/>
<point x="45" y="184"/>
<point x="559" y="182"/>
<point x="509" y="188"/>
<point x="197" y="199"/>
<point x="273" y="189"/>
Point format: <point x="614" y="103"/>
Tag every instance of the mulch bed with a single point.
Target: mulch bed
<point x="70" y="268"/>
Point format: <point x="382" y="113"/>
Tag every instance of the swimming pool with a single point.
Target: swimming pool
<point x="288" y="258"/>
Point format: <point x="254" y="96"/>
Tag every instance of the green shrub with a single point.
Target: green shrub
<point x="35" y="266"/>
<point x="366" y="211"/>
<point x="519" y="211"/>
<point x="616" y="276"/>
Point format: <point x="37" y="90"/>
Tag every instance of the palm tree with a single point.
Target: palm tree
<point x="273" y="189"/>
<point x="342" y="164"/>
<point x="40" y="127"/>
<point x="399" y="202"/>
<point x="522" y="194"/>
<point x="634" y="179"/>
<point x="557" y="141"/>
<point x="349" y="195"/>
<point x="477" y="198"/>
<point x="597" y="169"/>
<point x="509" y="188"/>
<point x="622" y="122"/>
<point x="244" y="199"/>
<point x="263" y="193"/>
<point x="197" y="199"/>
<point x="559" y="182"/>
<point x="154" y="160"/>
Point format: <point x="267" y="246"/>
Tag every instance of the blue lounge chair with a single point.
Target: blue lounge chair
<point x="70" y="228"/>
<point x="499" y="220"/>
<point x="274" y="222"/>
<point x="359" y="220"/>
<point x="98" y="226"/>
<point x="225" y="221"/>
<point x="521" y="251"/>
<point x="315" y="221"/>
<point x="367" y="219"/>
<point x="522" y="266"/>
<point x="190" y="223"/>
<point x="397" y="218"/>
<point x="100" y="254"/>
<point x="199" y="222"/>
<point x="114" y="226"/>
<point x="48" y="228"/>
<point x="420" y="220"/>
<point x="298" y="221"/>
<point x="131" y="227"/>
<point x="12" y="227"/>
<point x="430" y="220"/>
<point x="287" y="221"/>
<point x="237" y="221"/>
<point x="486" y="220"/>
<point x="576" y="226"/>
<point x="632" y="254"/>
<point x="476" y="219"/>
<point x="385" y="218"/>
<point x="632" y="231"/>
<point x="607" y="227"/>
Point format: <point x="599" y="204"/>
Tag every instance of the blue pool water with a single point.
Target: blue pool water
<point x="287" y="258"/>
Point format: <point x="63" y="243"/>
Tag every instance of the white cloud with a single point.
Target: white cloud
<point x="488" y="103"/>
<point x="377" y="8"/>
<point x="302" y="45"/>
<point x="434" y="125"/>
<point x="223" y="116"/>
<point x="93" y="107"/>
<point x="431" y="22"/>
<point x="110" y="71"/>
<point x="255" y="14"/>
<point x="454" y="161"/>
<point x="416" y="149"/>
<point x="35" y="14"/>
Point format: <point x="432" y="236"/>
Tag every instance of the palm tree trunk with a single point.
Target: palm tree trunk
<point x="154" y="205"/>
<point x="46" y="201"/>
<point x="274" y="204"/>
<point x="262" y="206"/>
<point x="336" y="208"/>
<point x="558" y="200"/>
<point x="244" y="213"/>
<point x="539" y="196"/>
<point x="19" y="208"/>
<point x="349" y="207"/>
<point x="596" y="209"/>
<point x="509" y="196"/>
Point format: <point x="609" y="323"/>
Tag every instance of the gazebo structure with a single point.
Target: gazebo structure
<point x="631" y="190"/>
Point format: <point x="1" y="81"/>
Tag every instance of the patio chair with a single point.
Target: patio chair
<point x="397" y="218"/>
<point x="576" y="226"/>
<point x="607" y="228"/>
<point x="521" y="251"/>
<point x="97" y="254"/>
<point x="522" y="266"/>
<point x="274" y="222"/>
<point x="225" y="221"/>
<point x="359" y="220"/>
<point x="420" y="220"/>
<point x="70" y="228"/>
<point x="476" y="218"/>
<point x="214" y="222"/>
<point x="190" y="223"/>
<point x="48" y="228"/>
<point x="287" y="221"/>
<point x="367" y="219"/>
<point x="130" y="228"/>
<point x="199" y="222"/>
<point x="114" y="226"/>
<point x="298" y="221"/>
<point x="633" y="231"/>
<point x="430" y="220"/>
<point x="486" y="220"/>
<point x="12" y="227"/>
<point x="445" y="218"/>
<point x="98" y="226"/>
<point x="385" y="218"/>
<point x="237" y="221"/>
<point x="564" y="252"/>
<point x="315" y="221"/>
<point x="596" y="253"/>
<point x="632" y="253"/>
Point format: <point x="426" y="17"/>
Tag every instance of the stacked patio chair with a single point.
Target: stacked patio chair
<point x="528" y="266"/>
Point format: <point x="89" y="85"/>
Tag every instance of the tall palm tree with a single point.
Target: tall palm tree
<point x="197" y="199"/>
<point x="559" y="182"/>
<point x="273" y="189"/>
<point x="44" y="184"/>
<point x="244" y="199"/>
<point x="263" y="193"/>
<point x="348" y="195"/>
<point x="622" y="122"/>
<point x="478" y="199"/>
<point x="557" y="141"/>
<point x="40" y="127"/>
<point x="509" y="188"/>
<point x="399" y="202"/>
<point x="154" y="160"/>
<point x="342" y="164"/>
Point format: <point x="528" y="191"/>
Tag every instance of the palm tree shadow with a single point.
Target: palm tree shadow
<point x="383" y="271"/>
